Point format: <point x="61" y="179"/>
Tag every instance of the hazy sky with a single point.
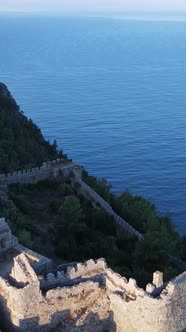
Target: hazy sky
<point x="91" y="5"/>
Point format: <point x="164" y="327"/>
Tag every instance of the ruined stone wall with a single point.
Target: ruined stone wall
<point x="16" y="302"/>
<point x="160" y="308"/>
<point x="84" y="303"/>
<point x="34" y="175"/>
<point x="134" y="309"/>
<point x="92" y="195"/>
<point x="77" y="270"/>
<point x="5" y="236"/>
<point x="165" y="313"/>
<point x="40" y="264"/>
<point x="57" y="167"/>
<point x="95" y="299"/>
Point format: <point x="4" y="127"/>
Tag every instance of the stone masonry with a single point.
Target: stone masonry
<point x="67" y="169"/>
<point x="85" y="297"/>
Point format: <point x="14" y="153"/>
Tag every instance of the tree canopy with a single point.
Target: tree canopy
<point x="21" y="143"/>
<point x="76" y="229"/>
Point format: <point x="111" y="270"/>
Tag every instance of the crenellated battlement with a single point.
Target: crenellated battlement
<point x="61" y="167"/>
<point x="88" y="287"/>
<point x="33" y="175"/>
<point x="85" y="296"/>
<point x="115" y="282"/>
<point x="75" y="271"/>
<point x="93" y="196"/>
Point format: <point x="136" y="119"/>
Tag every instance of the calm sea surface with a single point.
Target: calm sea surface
<point x="112" y="92"/>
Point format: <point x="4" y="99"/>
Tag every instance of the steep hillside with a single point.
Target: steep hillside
<point x="21" y="143"/>
<point x="52" y="217"/>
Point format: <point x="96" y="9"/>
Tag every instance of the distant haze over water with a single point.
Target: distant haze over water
<point x="111" y="92"/>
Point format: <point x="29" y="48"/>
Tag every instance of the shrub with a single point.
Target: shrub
<point x="25" y="238"/>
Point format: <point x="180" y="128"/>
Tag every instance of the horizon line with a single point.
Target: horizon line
<point x="106" y="12"/>
<point x="151" y="16"/>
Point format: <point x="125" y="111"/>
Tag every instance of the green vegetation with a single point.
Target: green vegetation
<point x="78" y="231"/>
<point x="21" y="142"/>
<point x="55" y="220"/>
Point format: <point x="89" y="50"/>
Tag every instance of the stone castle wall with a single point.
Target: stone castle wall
<point x="36" y="174"/>
<point x="57" y="167"/>
<point x="87" y="297"/>
<point x="28" y="309"/>
<point x="96" y="299"/>
<point x="93" y="196"/>
<point x="165" y="313"/>
<point x="8" y="242"/>
<point x="75" y="271"/>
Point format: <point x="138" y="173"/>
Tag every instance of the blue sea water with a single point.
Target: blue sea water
<point x="111" y="91"/>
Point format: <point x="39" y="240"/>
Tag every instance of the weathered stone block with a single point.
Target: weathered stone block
<point x="71" y="273"/>
<point x="157" y="279"/>
<point x="150" y="288"/>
